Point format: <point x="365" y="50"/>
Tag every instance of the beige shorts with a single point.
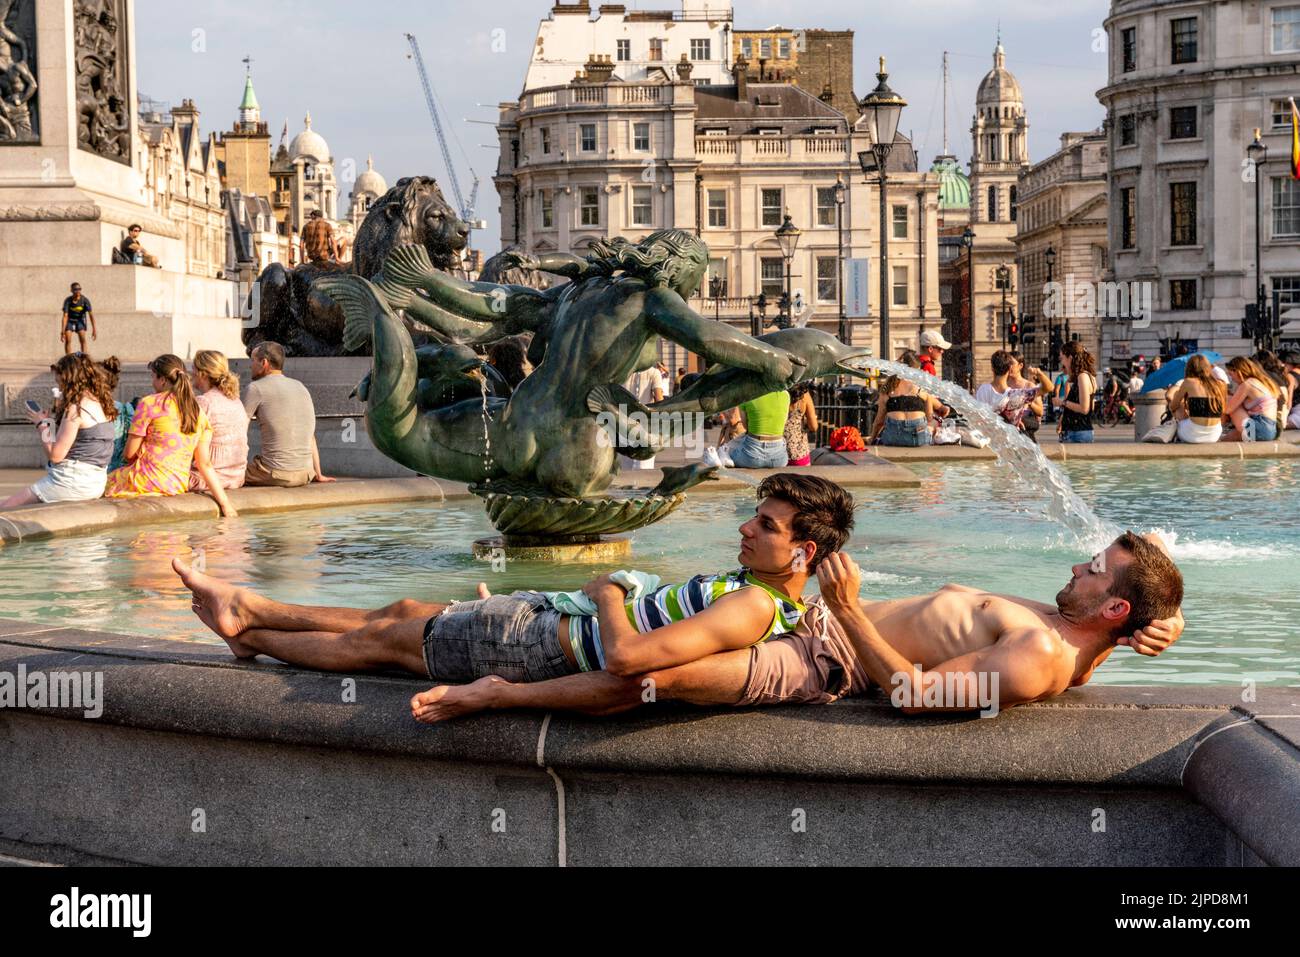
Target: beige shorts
<point x="802" y="668"/>
<point x="259" y="474"/>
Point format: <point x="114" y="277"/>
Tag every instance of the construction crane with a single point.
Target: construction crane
<point x="466" y="209"/>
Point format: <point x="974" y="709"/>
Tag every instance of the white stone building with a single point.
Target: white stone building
<point x="641" y="44"/>
<point x="1063" y="209"/>
<point x="1188" y="85"/>
<point x="367" y="189"/>
<point x="597" y="158"/>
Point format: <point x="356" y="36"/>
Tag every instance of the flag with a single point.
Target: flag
<point x="1295" y="140"/>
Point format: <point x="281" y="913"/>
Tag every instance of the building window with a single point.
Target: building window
<point x="900" y="222"/>
<point x="747" y="48"/>
<point x="1288" y="290"/>
<point x="642" y="214"/>
<point x="700" y="49"/>
<point x="825" y="205"/>
<point x="1128" y="217"/>
<point x="1282" y="114"/>
<point x="624" y="50"/>
<point x="1182" y="214"/>
<point x="1182" y="123"/>
<point x="717" y="208"/>
<point x="765" y="49"/>
<point x="1128" y="129"/>
<point x="993" y="204"/>
<point x="590" y="206"/>
<point x="1184" y="40"/>
<point x="1286" y="207"/>
<point x="641" y="137"/>
<point x="946" y="297"/>
<point x="900" y="285"/>
<point x="546" y="201"/>
<point x="783" y="48"/>
<point x="546" y="139"/>
<point x="772" y="277"/>
<point x="772" y="206"/>
<point x="828" y="286"/>
<point x="1286" y="29"/>
<point x="587" y="137"/>
<point x="1182" y="294"/>
<point x="1129" y="45"/>
<point x="1012" y="199"/>
<point x="656" y="48"/>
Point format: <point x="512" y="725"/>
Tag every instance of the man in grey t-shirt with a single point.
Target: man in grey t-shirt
<point x="286" y="416"/>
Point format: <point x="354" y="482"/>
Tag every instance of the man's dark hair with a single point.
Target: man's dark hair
<point x="507" y="357"/>
<point x="75" y="286"/>
<point x="271" y="352"/>
<point x="135" y="226"/>
<point x="1001" y="362"/>
<point x="315" y="214"/>
<point x="823" y="511"/>
<point x="1150" y="582"/>
<point x="1291" y="358"/>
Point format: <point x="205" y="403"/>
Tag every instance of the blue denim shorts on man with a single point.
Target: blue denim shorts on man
<point x="907" y="432"/>
<point x="76" y="325"/>
<point x="1265" y="429"/>
<point x="748" y="452"/>
<point x="515" y="636"/>
<point x="1081" y="437"/>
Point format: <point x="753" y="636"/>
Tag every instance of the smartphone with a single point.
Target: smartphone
<point x="33" y="405"/>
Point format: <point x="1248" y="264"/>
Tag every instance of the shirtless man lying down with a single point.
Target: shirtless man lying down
<point x="945" y="651"/>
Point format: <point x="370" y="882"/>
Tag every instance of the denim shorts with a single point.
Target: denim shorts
<point x="515" y="636"/>
<point x="1265" y="429"/>
<point x="71" y="481"/>
<point x="1081" y="437"/>
<point x="748" y="452"/>
<point x="76" y="325"/>
<point x="907" y="432"/>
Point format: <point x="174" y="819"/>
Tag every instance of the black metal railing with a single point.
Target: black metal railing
<point x="841" y="405"/>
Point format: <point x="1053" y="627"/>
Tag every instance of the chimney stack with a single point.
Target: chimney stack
<point x="740" y="70"/>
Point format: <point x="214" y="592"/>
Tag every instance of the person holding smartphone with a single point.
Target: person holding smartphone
<point x="77" y="436"/>
<point x="76" y="313"/>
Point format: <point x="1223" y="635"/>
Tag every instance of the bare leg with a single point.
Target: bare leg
<point x="716" y="680"/>
<point x="385" y="643"/>
<point x="25" y="497"/>
<point x="1236" y="433"/>
<point x="230" y="610"/>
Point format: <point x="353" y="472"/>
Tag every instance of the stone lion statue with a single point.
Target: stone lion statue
<point x="306" y="322"/>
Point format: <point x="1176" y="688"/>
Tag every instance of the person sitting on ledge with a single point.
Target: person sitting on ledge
<point x="1127" y="595"/>
<point x="798" y="522"/>
<point x="134" y="253"/>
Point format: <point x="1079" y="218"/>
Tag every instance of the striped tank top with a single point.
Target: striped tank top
<point x="671" y="603"/>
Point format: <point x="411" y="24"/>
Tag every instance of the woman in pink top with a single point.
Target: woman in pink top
<point x="217" y="390"/>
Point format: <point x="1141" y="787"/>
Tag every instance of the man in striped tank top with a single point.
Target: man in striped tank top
<point x="522" y="637"/>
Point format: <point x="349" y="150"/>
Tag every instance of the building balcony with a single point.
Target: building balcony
<point x="602" y="96"/>
<point x="747" y="150"/>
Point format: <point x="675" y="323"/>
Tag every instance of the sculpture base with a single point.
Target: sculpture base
<point x="511" y="549"/>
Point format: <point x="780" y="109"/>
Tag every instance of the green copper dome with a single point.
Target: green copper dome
<point x="954" y="187"/>
<point x="250" y="98"/>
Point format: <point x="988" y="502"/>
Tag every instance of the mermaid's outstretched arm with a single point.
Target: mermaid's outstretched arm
<point x="465" y="312"/>
<point x="670" y="316"/>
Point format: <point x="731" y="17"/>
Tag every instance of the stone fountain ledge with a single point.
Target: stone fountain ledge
<point x="1286" y="447"/>
<point x="47" y="521"/>
<point x="285" y="772"/>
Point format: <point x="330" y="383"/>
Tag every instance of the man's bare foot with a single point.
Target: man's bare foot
<point x="443" y="702"/>
<point x="219" y="605"/>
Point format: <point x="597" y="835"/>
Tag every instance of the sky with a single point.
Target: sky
<point x="346" y="63"/>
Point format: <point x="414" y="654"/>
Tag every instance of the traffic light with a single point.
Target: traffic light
<point x="1013" y="332"/>
<point x="1027" y="334"/>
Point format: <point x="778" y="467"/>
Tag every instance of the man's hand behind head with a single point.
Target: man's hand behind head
<point x="1155" y="637"/>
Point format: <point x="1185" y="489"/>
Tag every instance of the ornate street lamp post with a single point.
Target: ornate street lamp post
<point x="1050" y="258"/>
<point x="1257" y="152"/>
<point x="1004" y="280"/>
<point x="839" y="275"/>
<point x="882" y="107"/>
<point x="968" y="240"/>
<point x="787" y="237"/>
<point x="715" y="293"/>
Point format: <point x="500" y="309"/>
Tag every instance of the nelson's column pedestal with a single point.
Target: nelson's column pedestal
<point x="72" y="179"/>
